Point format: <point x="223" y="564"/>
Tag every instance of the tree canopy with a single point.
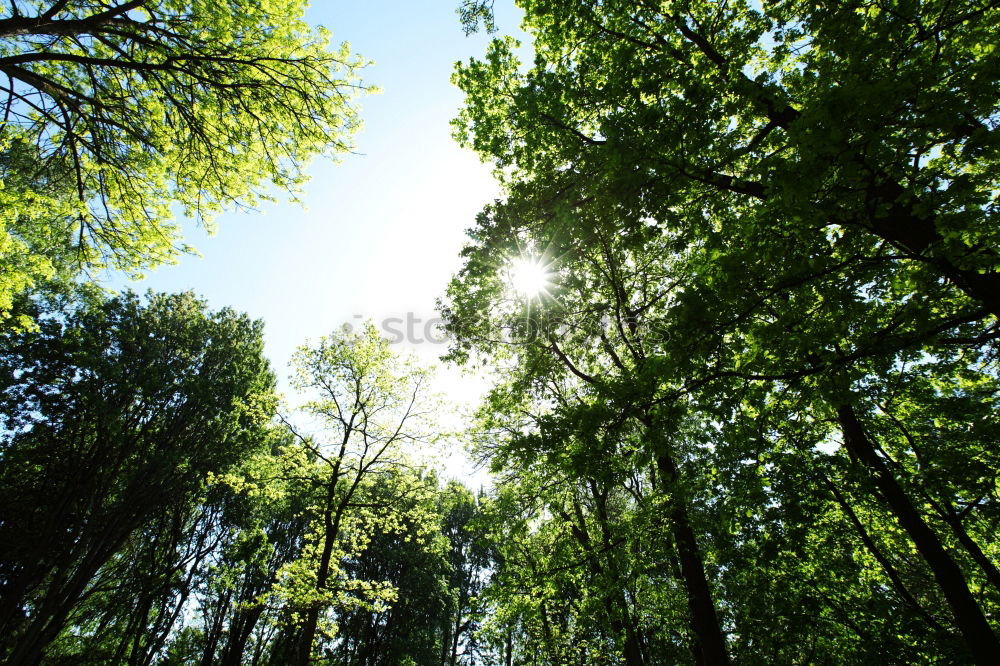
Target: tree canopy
<point x="113" y="413"/>
<point x="117" y="116"/>
<point x="738" y="302"/>
<point x="763" y="227"/>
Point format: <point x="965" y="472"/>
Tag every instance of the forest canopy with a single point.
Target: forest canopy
<point x="758" y="392"/>
<point x="738" y="301"/>
<point x="117" y="116"/>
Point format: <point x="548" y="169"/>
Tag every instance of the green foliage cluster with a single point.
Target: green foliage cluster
<point x="114" y="116"/>
<point x="157" y="506"/>
<point x="750" y="419"/>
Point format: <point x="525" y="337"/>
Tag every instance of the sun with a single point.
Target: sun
<point x="528" y="276"/>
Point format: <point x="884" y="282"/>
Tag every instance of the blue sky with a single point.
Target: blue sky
<point x="379" y="234"/>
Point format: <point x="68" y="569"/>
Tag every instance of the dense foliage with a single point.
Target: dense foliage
<point x="740" y="299"/>
<point x="116" y="115"/>
<point x="113" y="413"/>
<point x="751" y="416"/>
<point x="156" y="507"/>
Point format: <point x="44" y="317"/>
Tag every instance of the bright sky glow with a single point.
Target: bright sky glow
<point x="529" y="277"/>
<point x="378" y="235"/>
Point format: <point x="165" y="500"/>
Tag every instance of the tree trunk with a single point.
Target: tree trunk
<point x="239" y="633"/>
<point x="969" y="617"/>
<point x="453" y="659"/>
<point x="970" y="545"/>
<point x="711" y="645"/>
<point x="633" y="645"/>
<point x="633" y="657"/>
<point x="304" y="650"/>
<point x="59" y="603"/>
<point x="446" y="639"/>
<point x="887" y="566"/>
<point x="213" y="633"/>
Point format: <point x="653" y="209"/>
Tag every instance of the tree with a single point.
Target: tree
<point x="595" y="385"/>
<point x="372" y="405"/>
<point x="411" y="556"/>
<point x="260" y="529"/>
<point x="114" y="411"/>
<point x="469" y="559"/>
<point x="771" y="223"/>
<point x="868" y="123"/>
<point x="133" y="110"/>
